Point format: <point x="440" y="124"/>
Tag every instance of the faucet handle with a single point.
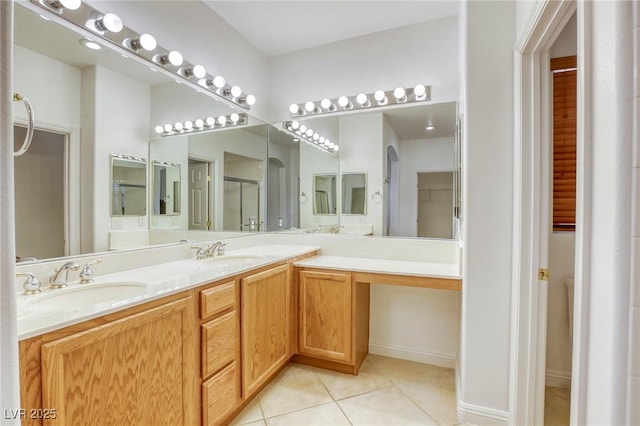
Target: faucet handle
<point x="221" y="247"/>
<point x="86" y="275"/>
<point x="31" y="285"/>
<point x="200" y="252"/>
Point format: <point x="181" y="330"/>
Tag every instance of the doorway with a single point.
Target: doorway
<point x="391" y="192"/>
<point x="435" y="204"/>
<point x="41" y="195"/>
<point x="241" y="205"/>
<point x="199" y="194"/>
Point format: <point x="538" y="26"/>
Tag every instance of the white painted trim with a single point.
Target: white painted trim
<point x="477" y="415"/>
<point x="527" y="327"/>
<point x="558" y="379"/>
<point x="409" y="354"/>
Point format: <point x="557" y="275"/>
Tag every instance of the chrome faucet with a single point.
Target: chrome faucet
<point x="31" y="285"/>
<point x="314" y="230"/>
<point x="59" y="280"/>
<point x="336" y="229"/>
<point x="86" y="275"/>
<point x="215" y="249"/>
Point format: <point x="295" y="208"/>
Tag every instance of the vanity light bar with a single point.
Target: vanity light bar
<point x="128" y="157"/>
<point x="309" y="136"/>
<point x="165" y="163"/>
<point x="379" y="98"/>
<point x="202" y="125"/>
<point x="143" y="47"/>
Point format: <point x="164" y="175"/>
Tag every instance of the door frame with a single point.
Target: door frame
<point x="71" y="180"/>
<point x="531" y="209"/>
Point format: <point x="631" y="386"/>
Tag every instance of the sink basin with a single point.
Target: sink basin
<point x="86" y="294"/>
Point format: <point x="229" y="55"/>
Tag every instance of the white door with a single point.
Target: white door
<point x="199" y="196"/>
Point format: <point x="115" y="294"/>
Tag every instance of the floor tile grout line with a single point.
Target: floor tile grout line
<point x="418" y="405"/>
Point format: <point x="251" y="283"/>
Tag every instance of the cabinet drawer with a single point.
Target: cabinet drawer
<point x="216" y="299"/>
<point x="220" y="395"/>
<point x="219" y="342"/>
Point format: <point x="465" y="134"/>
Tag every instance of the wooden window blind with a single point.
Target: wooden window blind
<point x="564" y="143"/>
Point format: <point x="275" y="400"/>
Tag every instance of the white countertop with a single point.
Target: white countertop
<point x="383" y="266"/>
<point x="161" y="280"/>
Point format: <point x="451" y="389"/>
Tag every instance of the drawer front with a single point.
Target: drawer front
<point x="217" y="299"/>
<point x="220" y="395"/>
<point x="219" y="343"/>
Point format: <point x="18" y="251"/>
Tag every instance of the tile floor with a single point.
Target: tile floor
<point x="387" y="391"/>
<point x="556" y="406"/>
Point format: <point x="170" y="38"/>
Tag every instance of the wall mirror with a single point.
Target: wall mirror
<point x="324" y="194"/>
<point x="283" y="180"/>
<point x="128" y="185"/>
<point x="354" y="193"/>
<point x="396" y="152"/>
<point x="127" y="101"/>
<point x="166" y="190"/>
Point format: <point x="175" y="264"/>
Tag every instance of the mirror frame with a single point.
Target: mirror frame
<point x="154" y="177"/>
<point x="342" y="193"/>
<point x="134" y="160"/>
<point x="335" y="195"/>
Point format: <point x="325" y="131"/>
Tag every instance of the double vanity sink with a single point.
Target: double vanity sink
<point x="55" y="308"/>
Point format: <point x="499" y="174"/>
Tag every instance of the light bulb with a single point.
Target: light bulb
<point x="145" y="41"/>
<point x="236" y="91"/>
<point x="222" y="120"/>
<point x="420" y="91"/>
<point x="178" y="126"/>
<point x="234" y="117"/>
<point x="362" y="99"/>
<point x="250" y="100"/>
<point x="321" y="139"/>
<point x="399" y="94"/>
<point x="331" y="145"/>
<point x="159" y="129"/>
<point x="303" y="128"/>
<point x="309" y="133"/>
<point x="295" y="125"/>
<point x="217" y="81"/>
<point x="188" y="125"/>
<point x="67" y="4"/>
<point x="336" y="148"/>
<point x="197" y="71"/>
<point x="210" y="121"/>
<point x="325" y="103"/>
<point x="109" y="22"/>
<point x="294" y="109"/>
<point x="199" y="123"/>
<point x="168" y="128"/>
<point x="380" y="96"/>
<point x="309" y="106"/>
<point x="343" y="101"/>
<point x="174" y="58"/>
<point x="430" y="127"/>
<point x="316" y="136"/>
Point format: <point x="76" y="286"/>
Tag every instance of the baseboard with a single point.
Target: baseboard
<point x="441" y="360"/>
<point x="477" y="415"/>
<point x="558" y="379"/>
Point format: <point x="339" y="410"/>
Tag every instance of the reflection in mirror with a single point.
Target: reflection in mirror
<point x="354" y="193"/>
<point x="227" y="175"/>
<point x="324" y="194"/>
<point x="283" y="180"/>
<point x="129" y="185"/>
<point x="166" y="188"/>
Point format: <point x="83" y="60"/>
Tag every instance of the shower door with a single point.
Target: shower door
<point x="241" y="205"/>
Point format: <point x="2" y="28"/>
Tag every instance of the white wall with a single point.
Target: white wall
<point x="402" y="57"/>
<point x="419" y="155"/>
<point x="487" y="154"/>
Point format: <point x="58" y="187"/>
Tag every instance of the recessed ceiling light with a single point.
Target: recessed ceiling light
<point x="90" y="44"/>
<point x="430" y="127"/>
<point x="296" y="140"/>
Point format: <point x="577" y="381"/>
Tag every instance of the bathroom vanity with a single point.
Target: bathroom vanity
<point x="206" y="336"/>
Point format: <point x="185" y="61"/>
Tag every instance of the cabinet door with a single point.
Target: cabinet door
<point x="266" y="302"/>
<point x="326" y="325"/>
<point x="137" y="370"/>
<point x="220" y="395"/>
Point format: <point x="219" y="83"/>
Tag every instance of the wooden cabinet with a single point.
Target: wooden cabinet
<point x="220" y="351"/>
<point x="334" y="320"/>
<point x="135" y="370"/>
<point x="266" y="316"/>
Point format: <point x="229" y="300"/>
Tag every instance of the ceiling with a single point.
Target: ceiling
<point x="279" y="27"/>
